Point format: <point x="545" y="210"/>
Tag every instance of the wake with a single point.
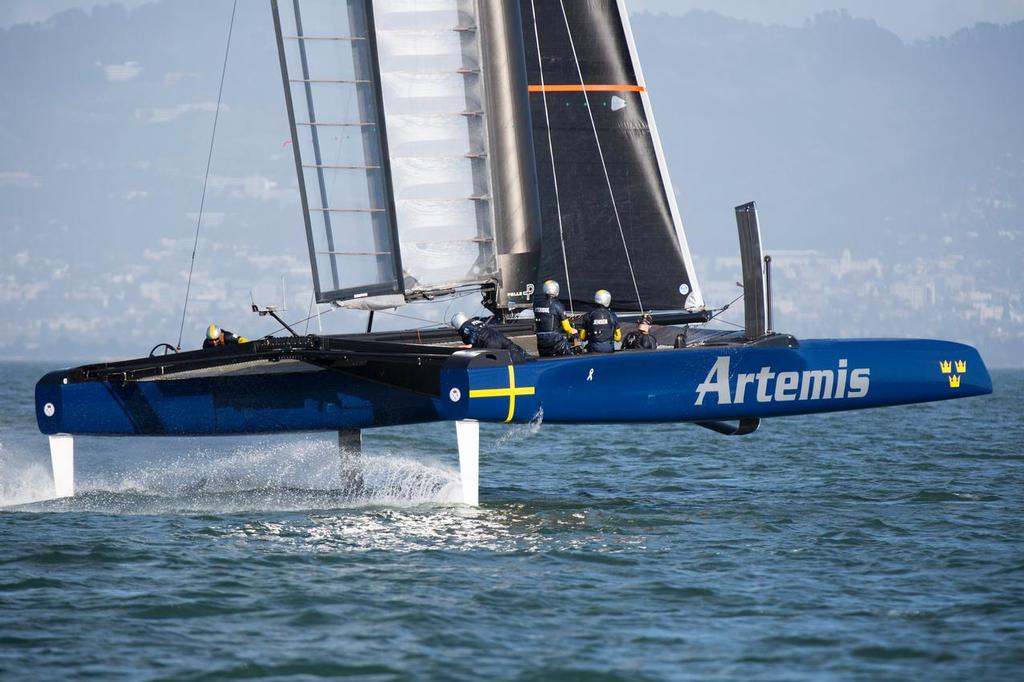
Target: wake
<point x="289" y="476"/>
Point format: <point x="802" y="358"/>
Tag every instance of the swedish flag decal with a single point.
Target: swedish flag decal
<point x="511" y="392"/>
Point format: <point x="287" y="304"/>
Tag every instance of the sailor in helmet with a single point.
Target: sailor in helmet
<point x="475" y="334"/>
<point x="600" y="327"/>
<point x="467" y="326"/>
<point x="552" y="323"/>
<point x="641" y="338"/>
<point x="217" y="337"/>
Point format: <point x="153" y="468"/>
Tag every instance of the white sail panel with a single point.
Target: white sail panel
<point x="427" y="49"/>
<point x="437" y="137"/>
<point x="432" y="177"/>
<point x="431" y="86"/>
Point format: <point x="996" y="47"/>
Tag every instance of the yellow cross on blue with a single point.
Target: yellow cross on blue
<point x="511" y="392"/>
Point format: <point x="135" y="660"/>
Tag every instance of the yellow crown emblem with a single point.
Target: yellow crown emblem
<point x="961" y="366"/>
<point x="946" y="366"/>
<point x="954" y="381"/>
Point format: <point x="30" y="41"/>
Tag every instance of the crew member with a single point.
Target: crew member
<point x="216" y="337"/>
<point x="600" y="326"/>
<point x="552" y="323"/>
<point x="468" y="327"/>
<point x="476" y="334"/>
<point x="641" y="338"/>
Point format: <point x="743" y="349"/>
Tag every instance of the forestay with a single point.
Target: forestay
<point x="390" y="141"/>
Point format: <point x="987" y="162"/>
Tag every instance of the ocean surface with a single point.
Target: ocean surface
<point x="877" y="545"/>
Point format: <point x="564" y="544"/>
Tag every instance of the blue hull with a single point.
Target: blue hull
<point x="259" y="403"/>
<point x="822" y="375"/>
<point x="684" y="385"/>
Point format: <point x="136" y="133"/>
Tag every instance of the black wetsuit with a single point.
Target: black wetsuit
<point x="637" y="340"/>
<point x="600" y="325"/>
<point x="548" y="316"/>
<point x="479" y="335"/>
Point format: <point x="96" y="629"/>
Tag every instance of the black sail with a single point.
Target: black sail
<point x="617" y="213"/>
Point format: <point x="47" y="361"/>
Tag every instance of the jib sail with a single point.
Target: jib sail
<point x="610" y="219"/>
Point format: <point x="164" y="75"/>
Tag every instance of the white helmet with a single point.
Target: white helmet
<point x="212" y="332"/>
<point x="459" y="320"/>
<point x="603" y="298"/>
<point x="551" y="288"/>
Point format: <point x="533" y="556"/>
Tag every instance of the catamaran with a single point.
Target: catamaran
<point x="446" y="147"/>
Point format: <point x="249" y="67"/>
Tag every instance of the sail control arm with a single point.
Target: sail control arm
<point x="273" y="313"/>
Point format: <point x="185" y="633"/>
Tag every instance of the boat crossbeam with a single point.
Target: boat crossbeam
<point x="62" y="459"/>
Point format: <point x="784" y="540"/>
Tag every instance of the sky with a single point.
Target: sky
<point x="909" y="19"/>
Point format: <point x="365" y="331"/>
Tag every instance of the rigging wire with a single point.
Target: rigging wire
<point x="551" y="150"/>
<point x="206" y="178"/>
<point x="719" y="311"/>
<point x="309" y="311"/>
<point x="412" y="317"/>
<point x="600" y="152"/>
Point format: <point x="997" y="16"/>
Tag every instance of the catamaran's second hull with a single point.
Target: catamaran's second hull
<point x="271" y="398"/>
<point x="684" y="385"/>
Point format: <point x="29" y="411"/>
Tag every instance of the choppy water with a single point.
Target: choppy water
<point x="886" y="544"/>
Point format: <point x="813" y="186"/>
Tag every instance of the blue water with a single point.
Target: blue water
<point x="881" y="545"/>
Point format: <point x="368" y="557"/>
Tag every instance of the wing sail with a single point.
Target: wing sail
<point x="386" y="105"/>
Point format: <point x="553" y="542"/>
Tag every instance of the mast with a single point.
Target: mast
<point x="516" y="199"/>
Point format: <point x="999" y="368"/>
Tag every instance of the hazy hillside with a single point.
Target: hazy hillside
<point x="889" y="175"/>
<point x="844" y="133"/>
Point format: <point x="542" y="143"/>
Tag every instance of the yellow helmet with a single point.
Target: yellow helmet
<point x="212" y="332"/>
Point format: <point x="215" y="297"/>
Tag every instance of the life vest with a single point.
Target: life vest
<point x="601" y="324"/>
<point x="548" y="315"/>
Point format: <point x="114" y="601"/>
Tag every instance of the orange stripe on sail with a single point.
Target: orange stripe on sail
<point x="587" y="88"/>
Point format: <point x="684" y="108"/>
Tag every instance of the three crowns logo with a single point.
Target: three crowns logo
<point x="946" y="367"/>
